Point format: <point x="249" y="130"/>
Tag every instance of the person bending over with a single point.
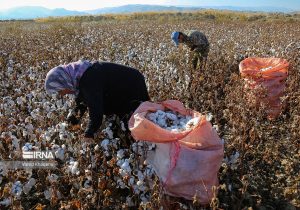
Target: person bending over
<point x="104" y="88"/>
<point x="198" y="44"/>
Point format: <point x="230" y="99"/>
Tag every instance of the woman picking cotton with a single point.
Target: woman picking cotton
<point x="103" y="88"/>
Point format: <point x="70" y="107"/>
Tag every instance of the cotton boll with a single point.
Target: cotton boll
<point x="27" y="147"/>
<point x="171" y="116"/>
<point x="62" y="136"/>
<point x="105" y="143"/>
<point x="25" y="133"/>
<point x="47" y="194"/>
<point x="129" y="202"/>
<point x="29" y="127"/>
<point x="192" y="122"/>
<point x="120" y="162"/>
<point x="136" y="189"/>
<point x="52" y="178"/>
<point x="74" y="168"/>
<point x="71" y="149"/>
<point x="59" y="103"/>
<point x="140" y="176"/>
<point x="216" y="127"/>
<point x="109" y="133"/>
<point x="172" y="121"/>
<point x="19" y="101"/>
<point x="139" y="183"/>
<point x="15" y="143"/>
<point x="131" y="181"/>
<point x="115" y="143"/>
<point x="17" y="189"/>
<point x="97" y="148"/>
<point x="161" y="121"/>
<point x="88" y="174"/>
<point x="47" y="136"/>
<point x="55" y="147"/>
<point x="122" y="172"/>
<point x="209" y="117"/>
<point x="149" y="172"/>
<point x="152" y="117"/>
<point x="87" y="183"/>
<point x="126" y="166"/>
<point x="28" y="120"/>
<point x="232" y="160"/>
<point x="33" y="115"/>
<point x="131" y="158"/>
<point x="84" y="146"/>
<point x="188" y="118"/>
<point x="27" y="187"/>
<point x="60" y="154"/>
<point x="61" y="126"/>
<point x="121" y="184"/>
<point x="120" y="154"/>
<point x="6" y="202"/>
<point x="266" y="69"/>
<point x="123" y="126"/>
<point x="144" y="199"/>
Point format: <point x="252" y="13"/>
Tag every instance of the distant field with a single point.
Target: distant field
<point x="216" y="15"/>
<point x="205" y="14"/>
<point x="265" y="174"/>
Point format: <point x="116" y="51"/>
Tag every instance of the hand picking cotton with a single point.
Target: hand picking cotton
<point x="172" y="121"/>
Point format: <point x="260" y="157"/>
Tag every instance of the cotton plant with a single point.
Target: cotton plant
<point x="232" y="160"/>
<point x="73" y="168"/>
<point x="5" y="202"/>
<point x="28" y="185"/>
<point x="59" y="151"/>
<point x="16" y="189"/>
<point x="15" y="141"/>
<point x="109" y="132"/>
<point x="27" y="147"/>
<point x="49" y="192"/>
<point x="131" y="174"/>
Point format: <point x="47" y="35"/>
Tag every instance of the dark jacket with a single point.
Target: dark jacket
<point x="109" y="88"/>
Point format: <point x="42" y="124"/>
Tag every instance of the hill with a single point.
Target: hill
<point x="31" y="12"/>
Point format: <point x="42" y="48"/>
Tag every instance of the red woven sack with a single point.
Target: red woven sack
<point x="268" y="74"/>
<point x="186" y="162"/>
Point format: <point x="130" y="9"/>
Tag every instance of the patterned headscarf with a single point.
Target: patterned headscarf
<point x="66" y="77"/>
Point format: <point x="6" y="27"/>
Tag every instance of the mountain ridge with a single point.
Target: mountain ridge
<point x="32" y="12"/>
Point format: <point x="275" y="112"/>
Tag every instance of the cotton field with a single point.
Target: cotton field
<point x="261" y="164"/>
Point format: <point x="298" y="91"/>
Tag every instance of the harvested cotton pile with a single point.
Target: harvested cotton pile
<point x="172" y="121"/>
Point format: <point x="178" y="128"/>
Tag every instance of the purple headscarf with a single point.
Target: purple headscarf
<point x="66" y="77"/>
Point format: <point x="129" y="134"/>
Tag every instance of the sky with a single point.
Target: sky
<point x="81" y="5"/>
